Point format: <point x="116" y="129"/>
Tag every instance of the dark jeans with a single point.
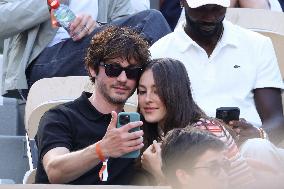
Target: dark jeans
<point x="171" y="10"/>
<point x="282" y="4"/>
<point x="67" y="58"/>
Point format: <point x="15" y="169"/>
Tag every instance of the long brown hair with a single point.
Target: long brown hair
<point x="173" y="88"/>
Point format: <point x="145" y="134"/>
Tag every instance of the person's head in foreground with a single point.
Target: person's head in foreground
<point x="115" y="60"/>
<point x="193" y="158"/>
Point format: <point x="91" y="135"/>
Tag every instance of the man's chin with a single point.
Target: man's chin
<point x="119" y="98"/>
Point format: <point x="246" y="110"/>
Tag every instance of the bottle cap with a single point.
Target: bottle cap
<point x="54" y="4"/>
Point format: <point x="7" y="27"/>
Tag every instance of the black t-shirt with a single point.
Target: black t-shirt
<point x="76" y="125"/>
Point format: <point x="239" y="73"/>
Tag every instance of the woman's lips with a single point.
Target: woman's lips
<point x="149" y="109"/>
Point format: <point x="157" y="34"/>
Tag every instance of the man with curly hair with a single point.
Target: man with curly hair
<point x="78" y="141"/>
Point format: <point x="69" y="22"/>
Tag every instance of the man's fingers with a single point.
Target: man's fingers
<point x="135" y="142"/>
<point x="113" y="121"/>
<point x="81" y="26"/>
<point x="134" y="148"/>
<point x="75" y="23"/>
<point x="132" y="125"/>
<point x="92" y="27"/>
<point x="135" y="135"/>
<point x="241" y="123"/>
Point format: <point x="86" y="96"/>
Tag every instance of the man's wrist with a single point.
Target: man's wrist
<point x="100" y="151"/>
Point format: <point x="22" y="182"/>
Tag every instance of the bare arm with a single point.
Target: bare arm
<point x="63" y="166"/>
<point x="234" y="3"/>
<point x="269" y="106"/>
<point x="256" y="4"/>
<point x="18" y="16"/>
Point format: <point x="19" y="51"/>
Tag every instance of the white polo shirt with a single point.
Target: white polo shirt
<point x="242" y="61"/>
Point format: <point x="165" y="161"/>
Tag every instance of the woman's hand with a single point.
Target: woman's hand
<point x="152" y="162"/>
<point x="83" y="25"/>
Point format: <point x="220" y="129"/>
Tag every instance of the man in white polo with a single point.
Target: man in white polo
<point x="228" y="66"/>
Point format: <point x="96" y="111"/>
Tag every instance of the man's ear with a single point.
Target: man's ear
<point x="92" y="72"/>
<point x="182" y="176"/>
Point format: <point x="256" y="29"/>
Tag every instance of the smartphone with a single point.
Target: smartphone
<point x="228" y="114"/>
<point x="123" y="119"/>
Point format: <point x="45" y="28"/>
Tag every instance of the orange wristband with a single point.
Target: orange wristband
<point x="99" y="152"/>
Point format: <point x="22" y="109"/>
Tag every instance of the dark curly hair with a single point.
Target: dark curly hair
<point x="116" y="42"/>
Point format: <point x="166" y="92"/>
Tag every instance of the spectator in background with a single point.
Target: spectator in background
<point x="273" y="5"/>
<point x="75" y="139"/>
<point x="193" y="158"/>
<point x="228" y="66"/>
<point x="34" y="50"/>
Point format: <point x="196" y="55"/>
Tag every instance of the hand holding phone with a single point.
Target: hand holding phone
<point x="123" y="119"/>
<point x="228" y="114"/>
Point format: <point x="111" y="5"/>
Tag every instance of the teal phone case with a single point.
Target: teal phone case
<point x="123" y="119"/>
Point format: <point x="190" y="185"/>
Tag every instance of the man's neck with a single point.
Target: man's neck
<point x="102" y="105"/>
<point x="208" y="44"/>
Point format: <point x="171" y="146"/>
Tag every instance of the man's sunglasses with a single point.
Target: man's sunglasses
<point x="113" y="70"/>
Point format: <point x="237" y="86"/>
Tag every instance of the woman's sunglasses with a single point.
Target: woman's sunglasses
<point x="112" y="70"/>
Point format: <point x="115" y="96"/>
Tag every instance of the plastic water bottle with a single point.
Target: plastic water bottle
<point x="62" y="13"/>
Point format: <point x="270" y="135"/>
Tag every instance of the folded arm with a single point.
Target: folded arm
<point x="18" y="16"/>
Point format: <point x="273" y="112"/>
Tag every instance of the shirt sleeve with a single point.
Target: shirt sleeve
<point x="18" y="16"/>
<point x="268" y="72"/>
<point x="54" y="131"/>
<point x="119" y="9"/>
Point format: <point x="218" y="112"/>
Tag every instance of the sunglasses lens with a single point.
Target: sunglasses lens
<point x="112" y="71"/>
<point x="133" y="73"/>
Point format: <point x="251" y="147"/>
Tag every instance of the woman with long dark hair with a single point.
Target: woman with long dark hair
<point x="165" y="101"/>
